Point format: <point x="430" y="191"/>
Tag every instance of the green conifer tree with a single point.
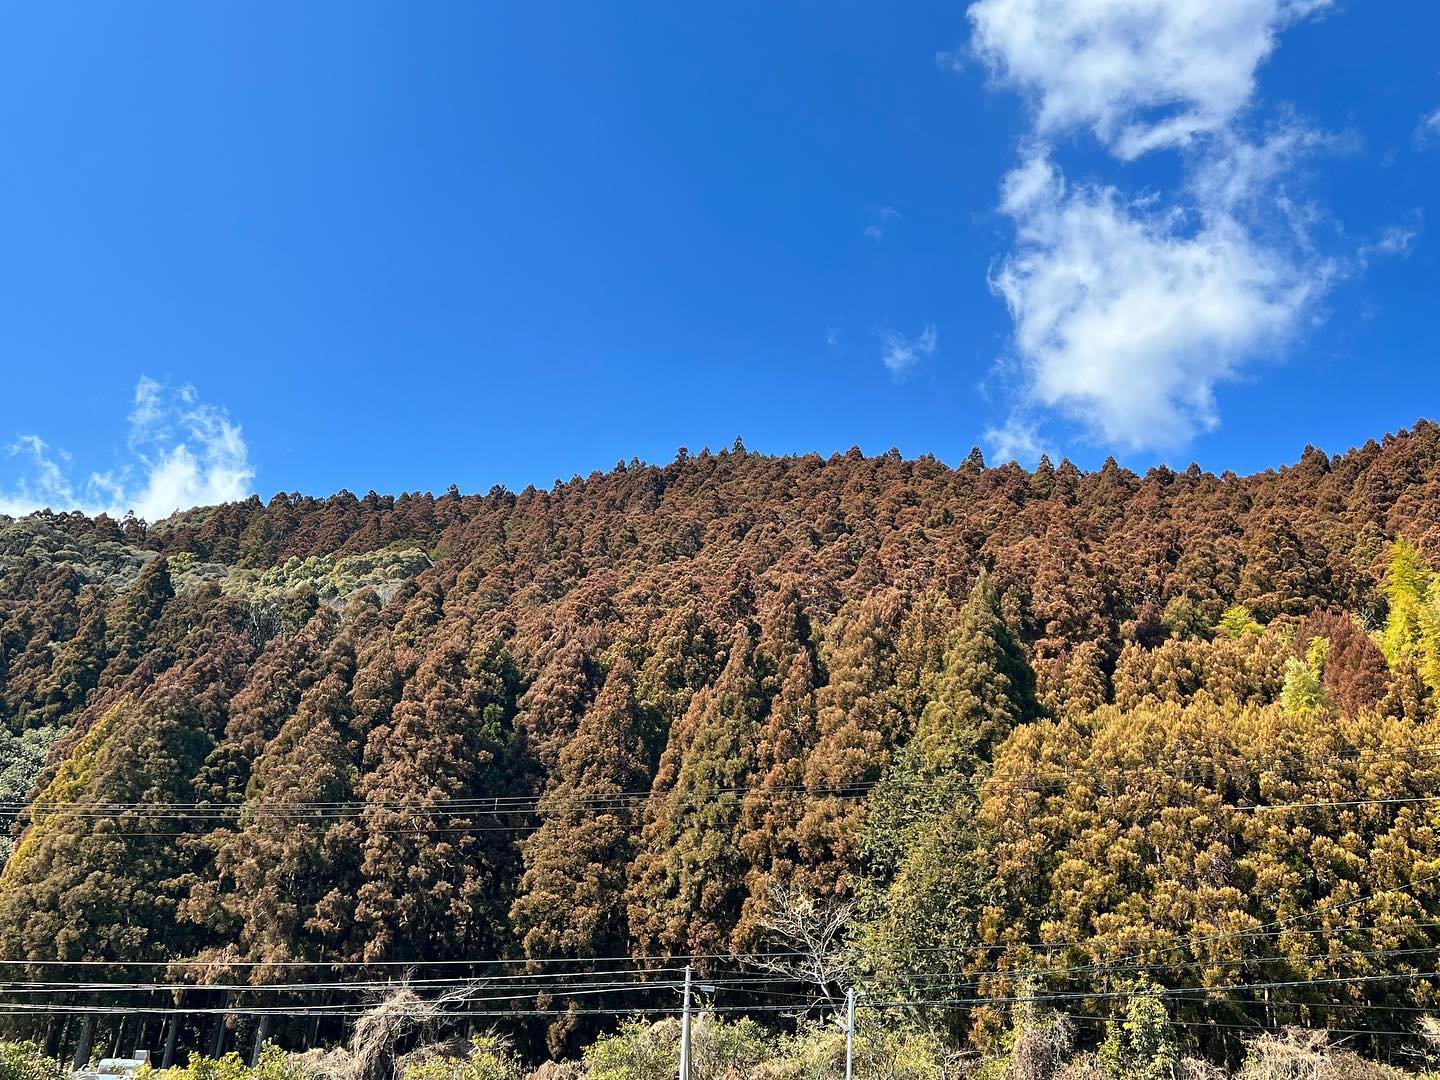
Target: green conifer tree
<point x="986" y="689"/>
<point x="1407" y="588"/>
<point x="435" y="884"/>
<point x="688" y="882"/>
<point x="282" y="885"/>
<point x="924" y="883"/>
<point x="1304" y="692"/>
<point x="572" y="892"/>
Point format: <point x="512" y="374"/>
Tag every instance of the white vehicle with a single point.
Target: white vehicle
<point x="125" y="1068"/>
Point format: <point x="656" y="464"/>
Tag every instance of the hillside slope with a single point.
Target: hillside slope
<point x="608" y="719"/>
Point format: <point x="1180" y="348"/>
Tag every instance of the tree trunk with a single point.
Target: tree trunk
<point x="217" y="1042"/>
<point x="52" y="1036"/>
<point x="261" y="1027"/>
<point x="87" y="1036"/>
<point x="172" y="1035"/>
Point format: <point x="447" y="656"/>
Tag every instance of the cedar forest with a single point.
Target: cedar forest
<point x="1048" y="732"/>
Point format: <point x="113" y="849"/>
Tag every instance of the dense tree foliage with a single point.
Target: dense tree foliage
<point x="1003" y="711"/>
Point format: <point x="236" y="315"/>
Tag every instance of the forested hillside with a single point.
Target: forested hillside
<point x="1174" y="729"/>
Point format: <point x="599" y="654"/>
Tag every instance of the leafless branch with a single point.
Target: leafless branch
<point x="809" y="932"/>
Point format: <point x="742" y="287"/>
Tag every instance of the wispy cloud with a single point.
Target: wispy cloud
<point x="1015" y="440"/>
<point x="47" y="483"/>
<point x="952" y="60"/>
<point x="900" y="353"/>
<point x="876" y="229"/>
<point x="180" y="452"/>
<point x="1396" y="241"/>
<point x="1129" y="311"/>
<point x="1427" y="131"/>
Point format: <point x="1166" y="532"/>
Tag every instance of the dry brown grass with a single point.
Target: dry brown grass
<point x="1041" y="1049"/>
<point x="1297" y="1054"/>
<point x="401" y="1016"/>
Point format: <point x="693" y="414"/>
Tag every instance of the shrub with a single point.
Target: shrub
<point x="490" y="1058"/>
<point x="26" y="1061"/>
<point x="1142" y="1046"/>
<point x="883" y="1049"/>
<point x="644" y="1051"/>
<point x="274" y="1064"/>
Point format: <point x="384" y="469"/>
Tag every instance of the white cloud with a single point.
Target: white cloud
<point x="1128" y="315"/>
<point x="182" y="452"/>
<point x="1015" y="440"/>
<point x="1140" y="74"/>
<point x="900" y="353"/>
<point x="952" y="60"/>
<point x="876" y="229"/>
<point x="47" y="484"/>
<point x="1394" y="240"/>
<point x="1428" y="130"/>
<point x="1129" y="311"/>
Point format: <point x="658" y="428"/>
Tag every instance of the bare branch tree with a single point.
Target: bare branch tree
<point x="809" y="932"/>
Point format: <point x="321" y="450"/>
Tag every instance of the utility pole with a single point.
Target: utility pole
<point x="850" y="1034"/>
<point x="685" y="1028"/>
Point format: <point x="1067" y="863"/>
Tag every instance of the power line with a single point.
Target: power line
<point x="628" y="799"/>
<point x="1100" y="967"/>
<point x="1179" y="993"/>
<point x="1075" y="943"/>
<point x="413" y="963"/>
<point x="723" y="981"/>
<point x="369" y="828"/>
<point x="541" y="987"/>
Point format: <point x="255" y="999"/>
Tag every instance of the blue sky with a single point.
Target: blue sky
<point x="271" y="246"/>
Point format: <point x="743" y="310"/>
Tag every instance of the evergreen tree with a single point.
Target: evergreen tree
<point x="688" y="882"/>
<point x="79" y="662"/>
<point x="861" y="713"/>
<point x="925" y="881"/>
<point x="282" y="886"/>
<point x="686" y="655"/>
<point x="436" y="878"/>
<point x="1238" y="621"/>
<point x="552" y="706"/>
<point x="107" y="885"/>
<point x="133" y="616"/>
<point x="1355" y="674"/>
<point x="1142" y="1045"/>
<point x="572" y="892"/>
<point x="775" y="802"/>
<point x="1304" y="692"/>
<point x="1407" y="588"/>
<point x="986" y="689"/>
